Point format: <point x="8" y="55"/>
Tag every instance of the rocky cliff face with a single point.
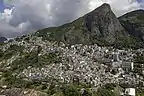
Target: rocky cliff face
<point x="103" y="25"/>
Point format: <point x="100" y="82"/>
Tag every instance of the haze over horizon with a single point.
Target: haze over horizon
<point x="23" y="16"/>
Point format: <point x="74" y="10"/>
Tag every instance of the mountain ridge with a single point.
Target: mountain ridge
<point x="133" y="22"/>
<point x="100" y="26"/>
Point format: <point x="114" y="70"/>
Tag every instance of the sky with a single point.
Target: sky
<point x="18" y="17"/>
<point x="1" y="6"/>
<point x="139" y="0"/>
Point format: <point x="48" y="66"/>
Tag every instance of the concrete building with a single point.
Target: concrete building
<point x="128" y="66"/>
<point x="130" y="92"/>
<point x="115" y="56"/>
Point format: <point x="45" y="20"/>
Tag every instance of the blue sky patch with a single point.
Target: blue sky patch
<point x="1" y="5"/>
<point x="140" y="0"/>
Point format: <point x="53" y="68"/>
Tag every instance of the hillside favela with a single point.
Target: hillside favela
<point x="69" y="51"/>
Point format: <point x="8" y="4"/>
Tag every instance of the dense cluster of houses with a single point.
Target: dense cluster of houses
<point x="89" y="64"/>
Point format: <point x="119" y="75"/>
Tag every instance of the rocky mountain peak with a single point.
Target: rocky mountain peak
<point x="104" y="25"/>
<point x="104" y="7"/>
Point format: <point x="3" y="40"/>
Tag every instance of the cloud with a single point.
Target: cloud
<point x="47" y="12"/>
<point x="30" y="15"/>
<point x="119" y="7"/>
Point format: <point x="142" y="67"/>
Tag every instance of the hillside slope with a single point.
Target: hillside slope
<point x="133" y="22"/>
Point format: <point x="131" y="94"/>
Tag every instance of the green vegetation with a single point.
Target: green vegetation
<point x="48" y="58"/>
<point x="11" y="51"/>
<point x="60" y="89"/>
<point x="109" y="90"/>
<point x="74" y="90"/>
<point x="2" y="43"/>
<point x="136" y="16"/>
<point x="59" y="33"/>
<point x="140" y="93"/>
<point x="16" y="48"/>
<point x="18" y="39"/>
<point x="64" y="90"/>
<point x="32" y="59"/>
<point x="130" y="42"/>
<point x="105" y="92"/>
<point x="133" y="22"/>
<point x="28" y="59"/>
<point x="13" y="82"/>
<point x="70" y="91"/>
<point x="139" y="59"/>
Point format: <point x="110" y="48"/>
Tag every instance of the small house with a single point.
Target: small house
<point x="128" y="66"/>
<point x="130" y="92"/>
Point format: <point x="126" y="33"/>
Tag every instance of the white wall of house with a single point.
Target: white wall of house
<point x="130" y="91"/>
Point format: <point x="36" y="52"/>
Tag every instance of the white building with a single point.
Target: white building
<point x="115" y="56"/>
<point x="130" y="92"/>
<point x="128" y="66"/>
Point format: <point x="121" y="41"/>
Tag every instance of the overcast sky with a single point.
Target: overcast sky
<point x="18" y="17"/>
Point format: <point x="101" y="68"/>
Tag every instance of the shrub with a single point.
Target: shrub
<point x="70" y="91"/>
<point x="105" y="92"/>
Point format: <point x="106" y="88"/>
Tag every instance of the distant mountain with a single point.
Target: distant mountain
<point x="100" y="26"/>
<point x="133" y="22"/>
<point x="2" y="39"/>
